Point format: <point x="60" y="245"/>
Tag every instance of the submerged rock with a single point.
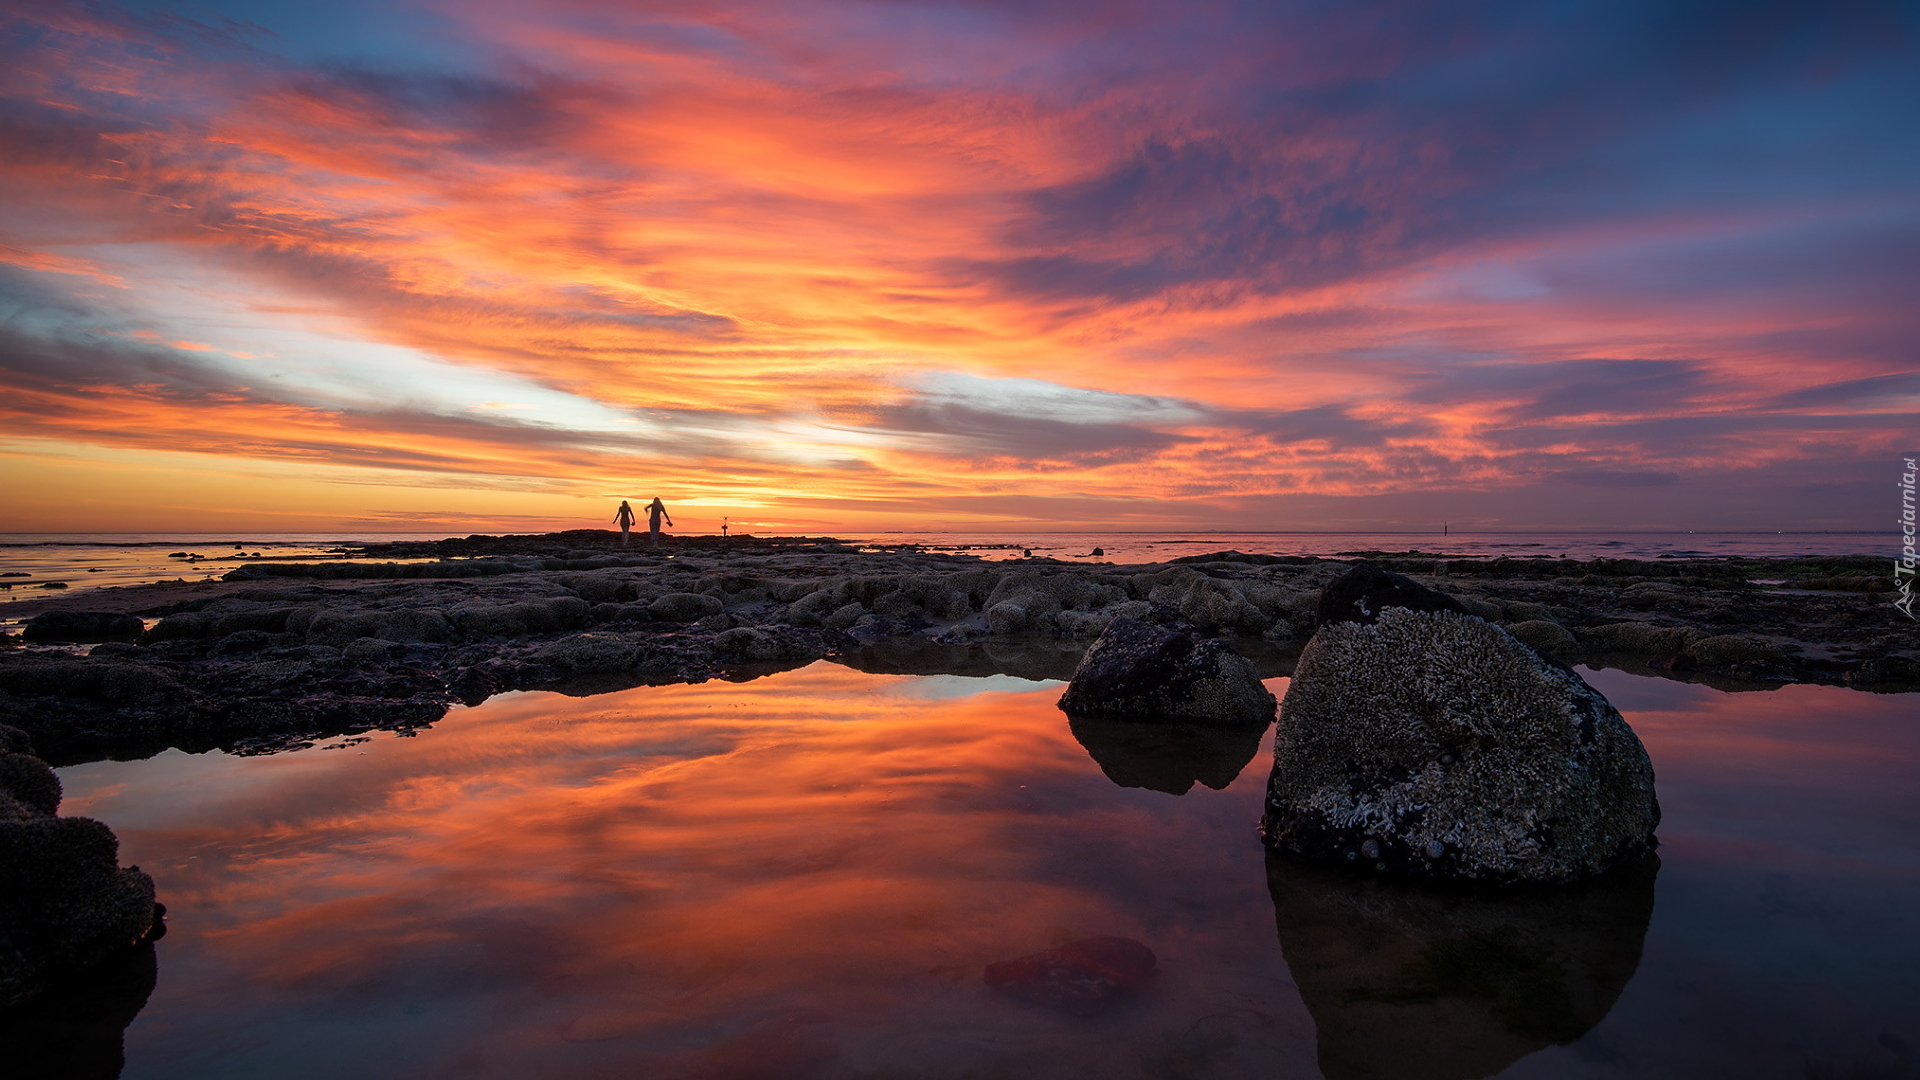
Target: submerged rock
<point x="1082" y="977"/>
<point x="65" y="902"/>
<point x="1422" y="984"/>
<point x="1431" y="744"/>
<point x="1145" y="672"/>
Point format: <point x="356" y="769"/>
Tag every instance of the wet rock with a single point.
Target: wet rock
<point x="1082" y="977"/>
<point x="241" y="642"/>
<point x="472" y="685"/>
<point x="1362" y="593"/>
<point x="684" y="607"/>
<point x="588" y="654"/>
<point x="542" y="616"/>
<point x="1419" y="984"/>
<point x="82" y="627"/>
<point x="1733" y="650"/>
<point x="65" y="902"/>
<point x="1431" y="726"/>
<point x="1639" y="637"/>
<point x="1032" y="601"/>
<point x="763" y="644"/>
<point x="1146" y="672"/>
<point x="1542" y="636"/>
<point x="341" y="627"/>
<point x="1168" y="757"/>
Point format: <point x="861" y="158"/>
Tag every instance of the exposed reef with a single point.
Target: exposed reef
<point x="390" y="636"/>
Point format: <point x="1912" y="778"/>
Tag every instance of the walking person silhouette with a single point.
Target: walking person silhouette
<point x="655" y="511"/>
<point x="624" y="519"/>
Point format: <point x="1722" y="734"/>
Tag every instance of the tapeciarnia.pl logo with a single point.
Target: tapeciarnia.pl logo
<point x="1903" y="566"/>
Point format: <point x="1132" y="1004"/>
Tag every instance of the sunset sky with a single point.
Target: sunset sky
<point x="486" y="265"/>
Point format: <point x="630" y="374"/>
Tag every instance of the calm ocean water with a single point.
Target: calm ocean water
<point x="97" y="560"/>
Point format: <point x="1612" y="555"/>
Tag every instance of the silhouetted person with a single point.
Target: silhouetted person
<point x="655" y="511"/>
<point x="723" y="526"/>
<point x="624" y="519"/>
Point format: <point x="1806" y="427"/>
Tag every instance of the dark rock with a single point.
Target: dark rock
<point x="589" y="654"/>
<point x="1420" y="984"/>
<point x="82" y="627"/>
<point x="1146" y="672"/>
<point x="1168" y="757"/>
<point x="1362" y="593"/>
<point x="684" y="607"/>
<point x="241" y="642"/>
<point x="65" y="902"/>
<point x="473" y="685"/>
<point x="1082" y="977"/>
<point x="1427" y="728"/>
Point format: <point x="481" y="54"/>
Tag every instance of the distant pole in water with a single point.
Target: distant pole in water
<point x="1443" y="528"/>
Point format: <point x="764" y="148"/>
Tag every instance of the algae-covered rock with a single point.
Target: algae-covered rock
<point x="589" y="654"/>
<point x="83" y="626"/>
<point x="684" y="607"/>
<point x="1542" y="636"/>
<point x="1145" y="672"/>
<point x="65" y="902"/>
<point x="1431" y="744"/>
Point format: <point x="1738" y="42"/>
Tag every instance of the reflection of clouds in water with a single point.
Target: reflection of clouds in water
<point x="810" y="871"/>
<point x="664" y="877"/>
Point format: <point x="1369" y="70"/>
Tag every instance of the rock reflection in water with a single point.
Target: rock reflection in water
<point x="1417" y="984"/>
<point x="77" y="1030"/>
<point x="1168" y="757"/>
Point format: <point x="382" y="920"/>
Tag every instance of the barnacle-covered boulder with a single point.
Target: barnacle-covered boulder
<point x="1423" y="742"/>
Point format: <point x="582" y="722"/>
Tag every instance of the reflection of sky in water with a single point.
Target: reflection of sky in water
<point x="804" y="876"/>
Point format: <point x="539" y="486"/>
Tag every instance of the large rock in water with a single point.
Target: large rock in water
<point x="66" y="904"/>
<point x="1431" y="744"/>
<point x="1137" y="671"/>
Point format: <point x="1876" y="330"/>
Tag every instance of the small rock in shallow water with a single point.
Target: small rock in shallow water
<point x="1141" y="671"/>
<point x="1081" y="977"/>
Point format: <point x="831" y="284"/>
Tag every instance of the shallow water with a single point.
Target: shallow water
<point x="804" y="876"/>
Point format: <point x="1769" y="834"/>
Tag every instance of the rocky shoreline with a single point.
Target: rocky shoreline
<point x="284" y="654"/>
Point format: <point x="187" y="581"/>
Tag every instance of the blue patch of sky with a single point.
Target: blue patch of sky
<point x="371" y="33"/>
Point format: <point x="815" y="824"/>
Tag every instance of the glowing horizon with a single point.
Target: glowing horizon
<point x="839" y="265"/>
